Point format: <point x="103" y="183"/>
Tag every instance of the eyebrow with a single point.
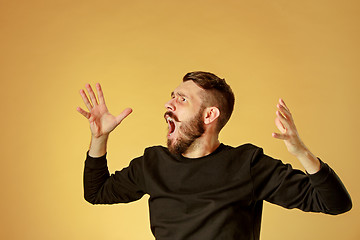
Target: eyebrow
<point x="180" y="94"/>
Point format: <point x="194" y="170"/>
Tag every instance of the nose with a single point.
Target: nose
<point x="170" y="105"/>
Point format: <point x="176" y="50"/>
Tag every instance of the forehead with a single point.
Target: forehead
<point x="189" y="89"/>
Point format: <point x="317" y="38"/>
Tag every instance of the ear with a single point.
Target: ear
<point x="211" y="114"/>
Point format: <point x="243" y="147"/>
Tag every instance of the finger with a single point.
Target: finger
<point x="285" y="112"/>
<point x="284" y="121"/>
<point x="123" y="115"/>
<point x="92" y="95"/>
<point x="85" y="99"/>
<point x="279" y="125"/>
<point x="279" y="136"/>
<point x="100" y="94"/>
<point x="282" y="102"/>
<point x="83" y="112"/>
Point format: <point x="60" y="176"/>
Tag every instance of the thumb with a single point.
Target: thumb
<point x="123" y="115"/>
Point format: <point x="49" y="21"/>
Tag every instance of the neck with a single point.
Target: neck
<point x="202" y="146"/>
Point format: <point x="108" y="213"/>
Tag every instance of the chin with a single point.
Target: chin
<point x="171" y="146"/>
<point x="178" y="146"/>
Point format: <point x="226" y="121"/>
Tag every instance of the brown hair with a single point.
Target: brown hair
<point x="218" y="94"/>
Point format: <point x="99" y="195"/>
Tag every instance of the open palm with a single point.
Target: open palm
<point x="102" y="122"/>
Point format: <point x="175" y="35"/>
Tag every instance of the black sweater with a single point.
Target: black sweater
<point x="218" y="196"/>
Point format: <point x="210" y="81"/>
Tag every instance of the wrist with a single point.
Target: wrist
<point x="100" y="139"/>
<point x="302" y="152"/>
<point x="309" y="161"/>
<point x="98" y="146"/>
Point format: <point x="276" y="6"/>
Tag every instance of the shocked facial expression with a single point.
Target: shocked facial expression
<point x="184" y="117"/>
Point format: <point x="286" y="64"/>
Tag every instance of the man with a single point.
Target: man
<point x="200" y="188"/>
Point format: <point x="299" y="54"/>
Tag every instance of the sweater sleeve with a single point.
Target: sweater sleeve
<point x="280" y="184"/>
<point x="123" y="186"/>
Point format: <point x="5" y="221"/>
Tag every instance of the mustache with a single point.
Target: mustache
<point x="172" y="115"/>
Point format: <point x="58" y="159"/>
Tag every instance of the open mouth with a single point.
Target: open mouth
<point x="171" y="124"/>
<point x="172" y="121"/>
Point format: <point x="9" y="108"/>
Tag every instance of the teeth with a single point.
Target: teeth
<point x="169" y="119"/>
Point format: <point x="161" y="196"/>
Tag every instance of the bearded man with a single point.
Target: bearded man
<point x="199" y="188"/>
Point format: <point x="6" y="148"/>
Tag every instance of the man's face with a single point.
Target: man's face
<point x="184" y="117"/>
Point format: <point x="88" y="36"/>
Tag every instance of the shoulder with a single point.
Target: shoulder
<point x="243" y="154"/>
<point x="156" y="149"/>
<point x="156" y="152"/>
<point x="244" y="149"/>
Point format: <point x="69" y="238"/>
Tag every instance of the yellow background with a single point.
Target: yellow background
<point x="304" y="51"/>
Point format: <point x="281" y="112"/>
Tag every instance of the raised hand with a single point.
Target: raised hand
<point x="285" y="123"/>
<point x="100" y="119"/>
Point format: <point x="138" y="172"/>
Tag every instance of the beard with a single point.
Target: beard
<point x="190" y="131"/>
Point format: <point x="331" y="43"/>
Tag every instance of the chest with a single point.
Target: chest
<point x="215" y="177"/>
